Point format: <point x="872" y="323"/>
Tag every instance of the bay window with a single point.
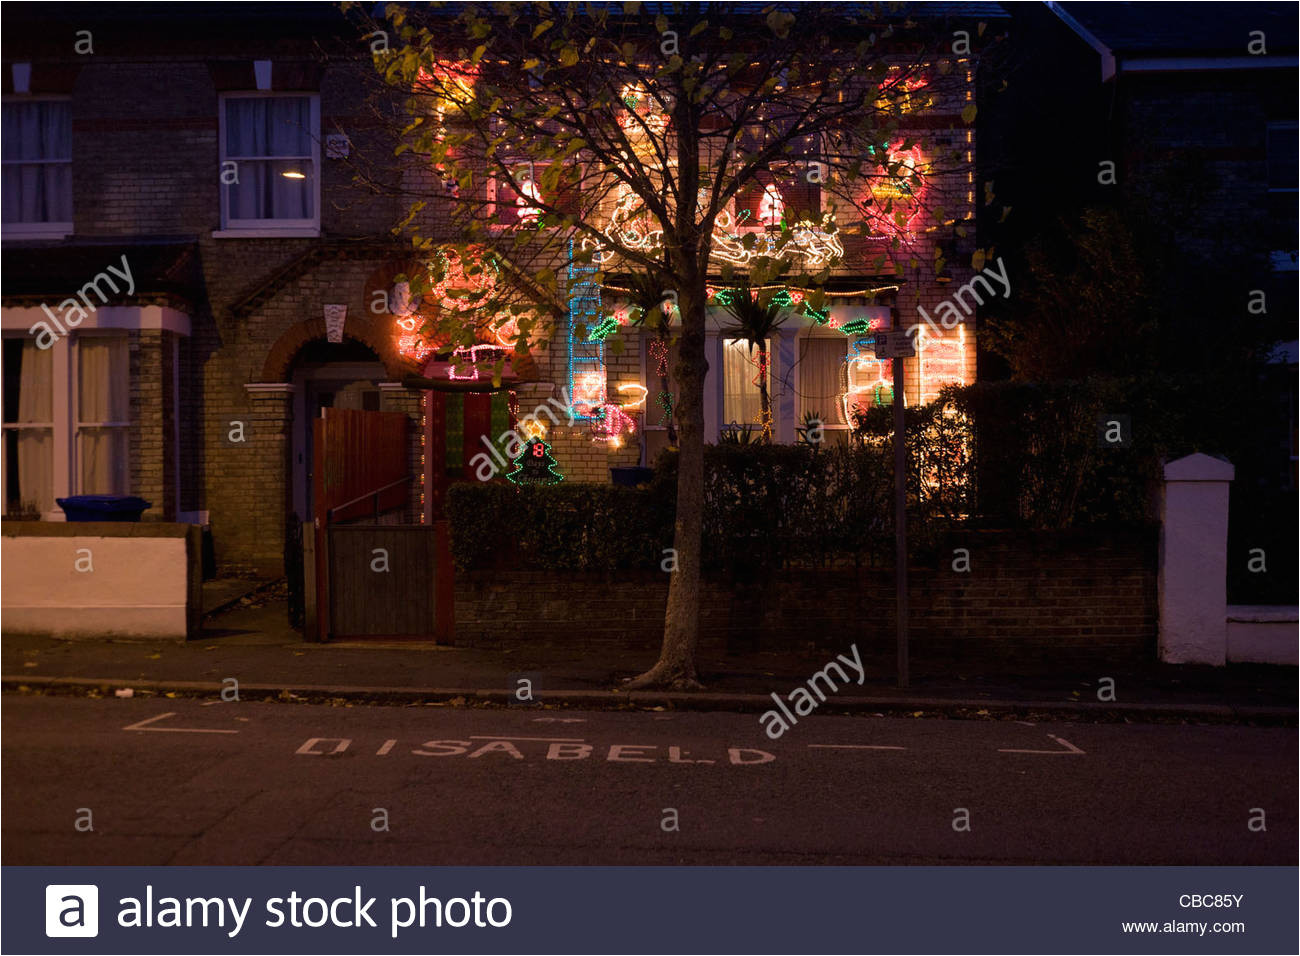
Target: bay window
<point x="28" y="428"/>
<point x="67" y="412"/>
<point x="103" y="413"/>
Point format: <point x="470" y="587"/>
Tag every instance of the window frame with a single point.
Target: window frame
<point x="725" y="342"/>
<point x="809" y="334"/>
<point x="53" y="229"/>
<point x="65" y="409"/>
<point x="498" y="205"/>
<point x="76" y="425"/>
<point x="269" y="228"/>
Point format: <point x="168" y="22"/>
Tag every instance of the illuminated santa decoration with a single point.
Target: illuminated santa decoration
<point x="771" y="208"/>
<point x="525" y="203"/>
<point x="461" y="283"/>
<point x="897" y="191"/>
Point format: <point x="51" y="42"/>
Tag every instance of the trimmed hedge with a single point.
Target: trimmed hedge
<point x="999" y="455"/>
<point x="568" y="526"/>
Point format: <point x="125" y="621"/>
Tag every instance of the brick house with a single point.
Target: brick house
<point x="214" y="170"/>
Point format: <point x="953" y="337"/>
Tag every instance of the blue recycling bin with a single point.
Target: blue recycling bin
<point x="103" y="507"/>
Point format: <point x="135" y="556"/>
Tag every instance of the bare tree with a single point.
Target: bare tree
<point x="628" y="140"/>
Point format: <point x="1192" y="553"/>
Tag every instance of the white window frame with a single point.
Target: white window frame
<point x="49" y="426"/>
<point x="269" y="228"/>
<point x="40" y="230"/>
<point x="821" y="335"/>
<point x="724" y="343"/>
<point x="74" y="406"/>
<point x="65" y="406"/>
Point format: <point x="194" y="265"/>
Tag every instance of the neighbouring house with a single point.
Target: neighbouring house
<point x="212" y="174"/>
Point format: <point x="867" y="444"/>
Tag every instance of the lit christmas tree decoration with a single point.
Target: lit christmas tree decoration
<point x="535" y="465"/>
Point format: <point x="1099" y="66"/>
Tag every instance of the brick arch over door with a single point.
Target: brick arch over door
<point x="374" y="331"/>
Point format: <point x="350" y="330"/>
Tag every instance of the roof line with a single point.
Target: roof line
<point x="1107" y="54"/>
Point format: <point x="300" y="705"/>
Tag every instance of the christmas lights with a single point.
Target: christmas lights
<point x="637" y="389"/>
<point x="940" y="361"/>
<point x="472" y="352"/>
<point x="611" y="423"/>
<point x="816" y="243"/>
<point x="535" y="465"/>
<point x="586" y="357"/>
<point x="771" y="208"/>
<point x="658" y="349"/>
<point x="896" y="196"/>
<point x="526" y="209"/>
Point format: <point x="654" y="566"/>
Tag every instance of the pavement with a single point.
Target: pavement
<point x="252" y="643"/>
<point x="205" y="782"/>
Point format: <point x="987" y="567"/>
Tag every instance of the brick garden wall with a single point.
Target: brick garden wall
<point x="1025" y="593"/>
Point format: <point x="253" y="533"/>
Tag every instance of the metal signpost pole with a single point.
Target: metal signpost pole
<point x="900" y="523"/>
<point x="898" y="346"/>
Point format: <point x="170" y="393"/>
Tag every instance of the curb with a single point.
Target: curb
<point x="704" y="701"/>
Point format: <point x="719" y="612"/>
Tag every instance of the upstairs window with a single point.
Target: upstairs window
<point x="37" y="153"/>
<point x="270" y="162"/>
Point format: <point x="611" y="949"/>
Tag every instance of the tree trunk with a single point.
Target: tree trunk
<point x="687" y="248"/>
<point x="676" y="665"/>
<point x="764" y="401"/>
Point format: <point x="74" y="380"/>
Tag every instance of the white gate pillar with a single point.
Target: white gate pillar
<point x="1194" y="560"/>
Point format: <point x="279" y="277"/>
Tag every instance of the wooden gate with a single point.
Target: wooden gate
<point x="382" y="580"/>
<point x="372" y="579"/>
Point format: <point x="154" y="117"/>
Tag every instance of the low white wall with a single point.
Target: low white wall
<point x="1261" y="634"/>
<point x="120" y="584"/>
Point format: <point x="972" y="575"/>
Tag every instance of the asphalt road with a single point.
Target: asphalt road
<point x="191" y="782"/>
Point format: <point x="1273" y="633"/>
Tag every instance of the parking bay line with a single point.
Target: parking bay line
<point x="853" y="747"/>
<point x="553" y="740"/>
<point x="143" y="725"/>
<point x="1069" y="748"/>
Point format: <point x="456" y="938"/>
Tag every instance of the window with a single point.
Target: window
<point x="1283" y="152"/>
<point x="28" y="428"/>
<point x="741" y="402"/>
<point x="512" y="201"/>
<point x="37" y="154"/>
<point x="821" y="379"/>
<point x="103" y="412"/>
<point x="66" y="421"/>
<point x="270" y="161"/>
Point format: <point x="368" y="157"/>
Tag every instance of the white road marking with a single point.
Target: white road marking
<point x="559" y="720"/>
<point x="1069" y="748"/>
<point x="853" y="747"/>
<point x="557" y="740"/>
<point x="144" y="725"/>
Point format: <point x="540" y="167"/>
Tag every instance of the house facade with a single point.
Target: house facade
<point x="191" y="275"/>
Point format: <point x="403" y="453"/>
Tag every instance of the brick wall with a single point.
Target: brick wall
<point x="1031" y="594"/>
<point x="146" y="162"/>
